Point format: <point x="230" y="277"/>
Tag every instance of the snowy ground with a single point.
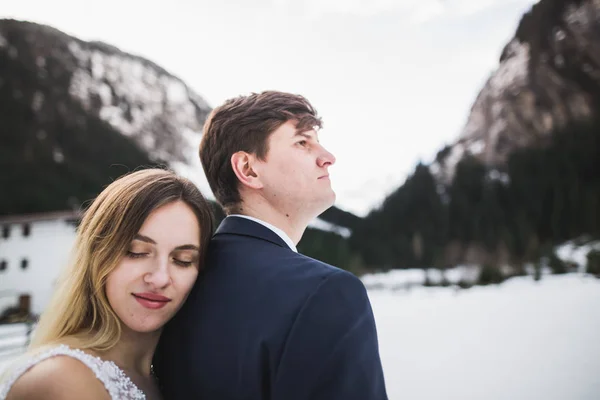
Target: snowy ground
<point x="519" y="340"/>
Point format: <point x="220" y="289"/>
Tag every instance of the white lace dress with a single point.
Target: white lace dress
<point x="118" y="385"/>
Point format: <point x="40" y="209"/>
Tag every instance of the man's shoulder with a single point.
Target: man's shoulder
<point x="317" y="275"/>
<point x="250" y="248"/>
<point x="306" y="266"/>
<point x="319" y="267"/>
<point x="260" y="258"/>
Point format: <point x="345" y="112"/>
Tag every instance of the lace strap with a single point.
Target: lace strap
<point x="118" y="385"/>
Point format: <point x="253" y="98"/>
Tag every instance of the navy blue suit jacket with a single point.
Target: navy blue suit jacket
<point x="265" y="323"/>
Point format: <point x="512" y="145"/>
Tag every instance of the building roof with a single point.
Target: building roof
<point x="37" y="217"/>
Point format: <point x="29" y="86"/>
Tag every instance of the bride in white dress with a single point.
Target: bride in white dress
<point x="136" y="257"/>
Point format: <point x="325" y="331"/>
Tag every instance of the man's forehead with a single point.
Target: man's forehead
<point x="290" y="131"/>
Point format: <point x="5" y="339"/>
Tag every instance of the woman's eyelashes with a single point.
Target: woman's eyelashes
<point x="136" y="254"/>
<point x="182" y="260"/>
<point x="185" y="259"/>
<point x="183" y="263"/>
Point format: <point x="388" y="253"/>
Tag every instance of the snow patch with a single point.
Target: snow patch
<point x="476" y="147"/>
<point x="329" y="227"/>
<point x="576" y="253"/>
<point x="139" y="101"/>
<point x="405" y="279"/>
<point x="38" y="101"/>
<point x="57" y="155"/>
<point x="495" y="175"/>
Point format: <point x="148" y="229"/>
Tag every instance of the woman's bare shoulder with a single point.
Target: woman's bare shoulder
<point x="59" y="377"/>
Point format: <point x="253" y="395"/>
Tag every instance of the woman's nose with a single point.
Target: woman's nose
<point x="159" y="275"/>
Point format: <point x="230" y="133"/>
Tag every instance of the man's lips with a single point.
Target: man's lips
<point x="152" y="297"/>
<point x="324" y="176"/>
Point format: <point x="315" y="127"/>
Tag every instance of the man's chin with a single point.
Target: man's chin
<point x="327" y="202"/>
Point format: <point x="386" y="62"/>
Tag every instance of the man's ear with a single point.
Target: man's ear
<point x="242" y="164"/>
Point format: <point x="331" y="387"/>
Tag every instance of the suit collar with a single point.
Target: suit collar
<point x="246" y="227"/>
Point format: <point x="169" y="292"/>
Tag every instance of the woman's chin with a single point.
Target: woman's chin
<point x="146" y="326"/>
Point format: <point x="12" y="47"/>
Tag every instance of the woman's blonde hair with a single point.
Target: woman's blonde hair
<point x="79" y="313"/>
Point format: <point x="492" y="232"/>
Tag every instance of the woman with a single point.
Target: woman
<point x="137" y="254"/>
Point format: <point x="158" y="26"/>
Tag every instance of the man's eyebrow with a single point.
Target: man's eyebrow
<point x="143" y="238"/>
<point x="306" y="135"/>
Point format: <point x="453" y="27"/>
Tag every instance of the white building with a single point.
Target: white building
<point x="33" y="249"/>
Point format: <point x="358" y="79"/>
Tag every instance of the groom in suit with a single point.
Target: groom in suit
<point x="264" y="322"/>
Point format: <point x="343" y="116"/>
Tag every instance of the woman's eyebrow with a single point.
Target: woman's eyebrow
<point x="143" y="238"/>
<point x="188" y="247"/>
<point x="146" y="239"/>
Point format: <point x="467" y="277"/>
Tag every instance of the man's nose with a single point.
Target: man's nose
<point x="326" y="158"/>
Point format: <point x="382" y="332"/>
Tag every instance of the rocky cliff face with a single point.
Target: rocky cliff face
<point x="75" y="115"/>
<point x="59" y="77"/>
<point x="548" y="77"/>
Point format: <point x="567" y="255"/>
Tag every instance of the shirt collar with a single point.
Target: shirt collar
<point x="275" y="229"/>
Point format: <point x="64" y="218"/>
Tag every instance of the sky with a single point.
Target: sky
<point x="393" y="80"/>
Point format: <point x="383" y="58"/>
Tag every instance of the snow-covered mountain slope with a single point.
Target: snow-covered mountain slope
<point x="548" y="77"/>
<point x="134" y="95"/>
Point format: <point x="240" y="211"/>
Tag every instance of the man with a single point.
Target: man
<point x="264" y="322"/>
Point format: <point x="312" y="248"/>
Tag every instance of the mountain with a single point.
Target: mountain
<point x="74" y="115"/>
<point x="548" y="78"/>
<point x="524" y="174"/>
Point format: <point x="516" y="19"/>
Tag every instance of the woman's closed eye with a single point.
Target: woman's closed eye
<point x="185" y="258"/>
<point x="183" y="263"/>
<point x="133" y="254"/>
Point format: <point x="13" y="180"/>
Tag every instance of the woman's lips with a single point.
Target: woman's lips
<point x="151" y="300"/>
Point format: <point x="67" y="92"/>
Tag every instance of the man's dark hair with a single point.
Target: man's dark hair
<point x="245" y="123"/>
